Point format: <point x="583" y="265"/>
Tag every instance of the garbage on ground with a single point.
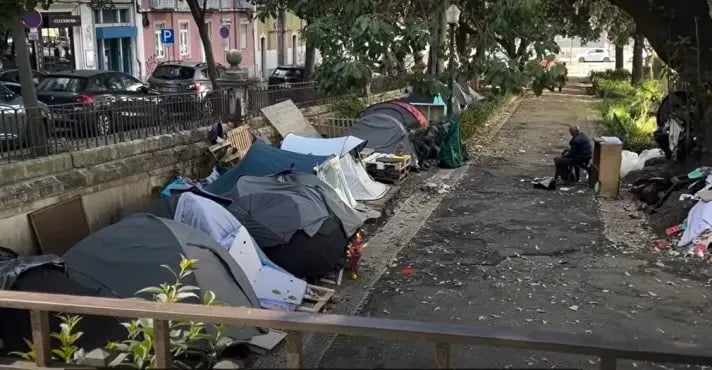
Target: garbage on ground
<point x="546" y="183"/>
<point x="436" y="188"/>
<point x="631" y="161"/>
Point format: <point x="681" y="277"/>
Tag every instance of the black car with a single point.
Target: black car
<point x="182" y="77"/>
<point x="13" y="75"/>
<point x="286" y="75"/>
<point x="91" y="102"/>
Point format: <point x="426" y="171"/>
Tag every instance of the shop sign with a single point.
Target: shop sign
<point x="59" y="21"/>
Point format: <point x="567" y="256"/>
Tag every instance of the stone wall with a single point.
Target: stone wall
<point x="113" y="180"/>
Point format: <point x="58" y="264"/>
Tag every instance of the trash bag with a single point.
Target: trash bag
<point x="451" y="147"/>
<point x="7" y="254"/>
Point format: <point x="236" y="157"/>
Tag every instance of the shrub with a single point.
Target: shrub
<point x="472" y="118"/>
<point x="348" y="107"/>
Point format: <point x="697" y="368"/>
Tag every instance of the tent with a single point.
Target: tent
<point x="295" y="221"/>
<point x="361" y="185"/>
<point x="384" y="134"/>
<point x="403" y="112"/>
<point x="265" y="160"/>
<point x="125" y="257"/>
<point x="273" y="286"/>
<point x="47" y="274"/>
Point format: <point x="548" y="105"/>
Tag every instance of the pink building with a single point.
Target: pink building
<point x="235" y="15"/>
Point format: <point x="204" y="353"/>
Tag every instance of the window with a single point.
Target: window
<point x="160" y="49"/>
<point x="124" y="16"/>
<point x="63" y="84"/>
<point x="243" y="35"/>
<point x="184" y="48"/>
<point x="173" y="72"/>
<point x="131" y="84"/>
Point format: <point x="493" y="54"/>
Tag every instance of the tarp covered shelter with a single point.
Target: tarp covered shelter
<point x="273" y="285"/>
<point x="361" y="185"/>
<point x="295" y="221"/>
<point x="125" y="257"/>
<point x="46" y="274"/>
<point x="384" y="134"/>
<point x="403" y="112"/>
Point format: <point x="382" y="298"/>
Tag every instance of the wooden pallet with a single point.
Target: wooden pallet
<point x="315" y="299"/>
<point x="234" y="147"/>
<point x="394" y="171"/>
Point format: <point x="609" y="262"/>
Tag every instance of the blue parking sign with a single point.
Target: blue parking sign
<point x="167" y="36"/>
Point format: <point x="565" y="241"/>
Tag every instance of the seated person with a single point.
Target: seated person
<point x="579" y="154"/>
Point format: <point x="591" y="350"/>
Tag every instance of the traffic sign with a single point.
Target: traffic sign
<point x="224" y="32"/>
<point x="167" y="36"/>
<point x="32" y="19"/>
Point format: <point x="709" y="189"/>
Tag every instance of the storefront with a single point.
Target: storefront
<point x="116" y="36"/>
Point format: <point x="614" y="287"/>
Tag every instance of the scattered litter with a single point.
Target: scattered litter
<point x="482" y="318"/>
<point x="574" y="308"/>
<point x="546" y="183"/>
<point x="661" y="245"/>
<point x="436" y="188"/>
<point x="564" y="189"/>
<point x="407" y="271"/>
<point x="652" y="294"/>
<point x="386" y="312"/>
<point x="522" y="151"/>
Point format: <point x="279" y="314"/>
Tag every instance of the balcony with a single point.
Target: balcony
<point x="163" y="4"/>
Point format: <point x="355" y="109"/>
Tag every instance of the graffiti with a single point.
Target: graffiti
<point x="150" y="64"/>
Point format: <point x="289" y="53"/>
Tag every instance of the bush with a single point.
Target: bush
<point x="472" y="118"/>
<point x="349" y="107"/>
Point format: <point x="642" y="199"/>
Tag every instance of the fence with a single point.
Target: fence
<point x="443" y="335"/>
<point x="76" y="126"/>
<point x="333" y="127"/>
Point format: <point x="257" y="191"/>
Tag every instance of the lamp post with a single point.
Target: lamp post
<point x="452" y="14"/>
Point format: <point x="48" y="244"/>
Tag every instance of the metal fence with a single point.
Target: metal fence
<point x="54" y="129"/>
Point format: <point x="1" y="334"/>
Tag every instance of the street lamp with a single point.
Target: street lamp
<point x="452" y="14"/>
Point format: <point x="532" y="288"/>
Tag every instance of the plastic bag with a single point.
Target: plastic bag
<point x="629" y="162"/>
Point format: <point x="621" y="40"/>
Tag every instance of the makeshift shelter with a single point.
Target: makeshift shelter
<point x="451" y="151"/>
<point x="403" y="112"/>
<point x="47" y="274"/>
<point x="125" y="257"/>
<point x="273" y="285"/>
<point x="384" y="134"/>
<point x="298" y="224"/>
<point x="347" y="148"/>
<point x="433" y="108"/>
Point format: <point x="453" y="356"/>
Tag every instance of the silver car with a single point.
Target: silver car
<point x="13" y="118"/>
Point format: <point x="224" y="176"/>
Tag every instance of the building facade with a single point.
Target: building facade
<point x="234" y="15"/>
<point x="268" y="46"/>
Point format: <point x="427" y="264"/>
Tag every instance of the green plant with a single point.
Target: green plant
<point x="348" y="107"/>
<point x="67" y="337"/>
<point x="186" y="337"/>
<point x="30" y="355"/>
<point x="472" y="118"/>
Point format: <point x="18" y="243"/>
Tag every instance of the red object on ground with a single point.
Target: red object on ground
<point x="407" y="271"/>
<point x="700" y="250"/>
<point x="354" y="255"/>
<point x="661" y="245"/>
<point x="673" y="230"/>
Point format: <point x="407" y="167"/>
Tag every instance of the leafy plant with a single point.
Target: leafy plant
<point x="348" y="107"/>
<point x="472" y="118"/>
<point x="68" y="351"/>
<point x="186" y="337"/>
<point x="30" y="355"/>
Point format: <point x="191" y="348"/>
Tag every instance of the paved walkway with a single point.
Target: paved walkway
<point x="498" y="253"/>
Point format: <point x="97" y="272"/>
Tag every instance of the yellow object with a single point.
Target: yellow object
<point x="354" y="276"/>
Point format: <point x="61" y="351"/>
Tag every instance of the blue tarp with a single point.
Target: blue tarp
<point x="264" y="160"/>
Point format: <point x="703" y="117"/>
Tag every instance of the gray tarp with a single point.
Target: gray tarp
<point x="384" y="134"/>
<point x="126" y="257"/>
<point x="10" y="270"/>
<point x="288" y="203"/>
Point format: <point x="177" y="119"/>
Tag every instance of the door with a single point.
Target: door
<point x="294" y="49"/>
<point x="126" y="55"/>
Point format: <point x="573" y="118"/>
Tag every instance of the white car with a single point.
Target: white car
<point x="594" y="55"/>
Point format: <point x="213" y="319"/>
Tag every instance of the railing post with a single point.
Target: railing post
<point x="294" y="349"/>
<point x="162" y="344"/>
<point x="41" y="338"/>
<point x="442" y="355"/>
<point x="608" y="363"/>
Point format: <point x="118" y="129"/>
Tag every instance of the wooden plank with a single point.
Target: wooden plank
<point x="286" y="118"/>
<point x="162" y="344"/>
<point x="41" y="340"/>
<point x="294" y="350"/>
<point x="535" y="340"/>
<point x="442" y="355"/>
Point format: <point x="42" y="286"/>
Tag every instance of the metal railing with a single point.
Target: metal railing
<point x="69" y="127"/>
<point x="442" y="335"/>
<point x="261" y="95"/>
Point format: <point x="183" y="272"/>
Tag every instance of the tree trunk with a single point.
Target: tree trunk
<point x="198" y="13"/>
<point x="36" y="131"/>
<point x="433" y="50"/>
<point x="309" y="59"/>
<point x="442" y="36"/>
<point x="637" y="70"/>
<point x="620" y="58"/>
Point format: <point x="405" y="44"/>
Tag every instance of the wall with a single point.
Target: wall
<point x="113" y="180"/>
<point x="172" y="52"/>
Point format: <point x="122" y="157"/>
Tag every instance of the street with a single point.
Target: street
<point x="498" y="253"/>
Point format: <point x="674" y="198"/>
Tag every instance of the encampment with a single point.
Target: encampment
<point x="123" y="258"/>
<point x="298" y="225"/>
<point x="384" y="134"/>
<point x="347" y="148"/>
<point x="47" y="274"/>
<point x="403" y="112"/>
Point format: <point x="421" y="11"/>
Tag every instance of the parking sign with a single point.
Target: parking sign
<point x="167" y="36"/>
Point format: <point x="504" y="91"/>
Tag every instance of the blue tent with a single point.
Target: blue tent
<point x="264" y="160"/>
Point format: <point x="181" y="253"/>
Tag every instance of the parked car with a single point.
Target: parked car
<point x="12" y="86"/>
<point x="594" y="55"/>
<point x="286" y="75"/>
<point x="288" y="82"/>
<point x="91" y="102"/>
<point x="12" y="75"/>
<point x="13" y="118"/>
<point x="182" y="77"/>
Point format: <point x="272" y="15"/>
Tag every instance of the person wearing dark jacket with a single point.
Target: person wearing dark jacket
<point x="578" y="155"/>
